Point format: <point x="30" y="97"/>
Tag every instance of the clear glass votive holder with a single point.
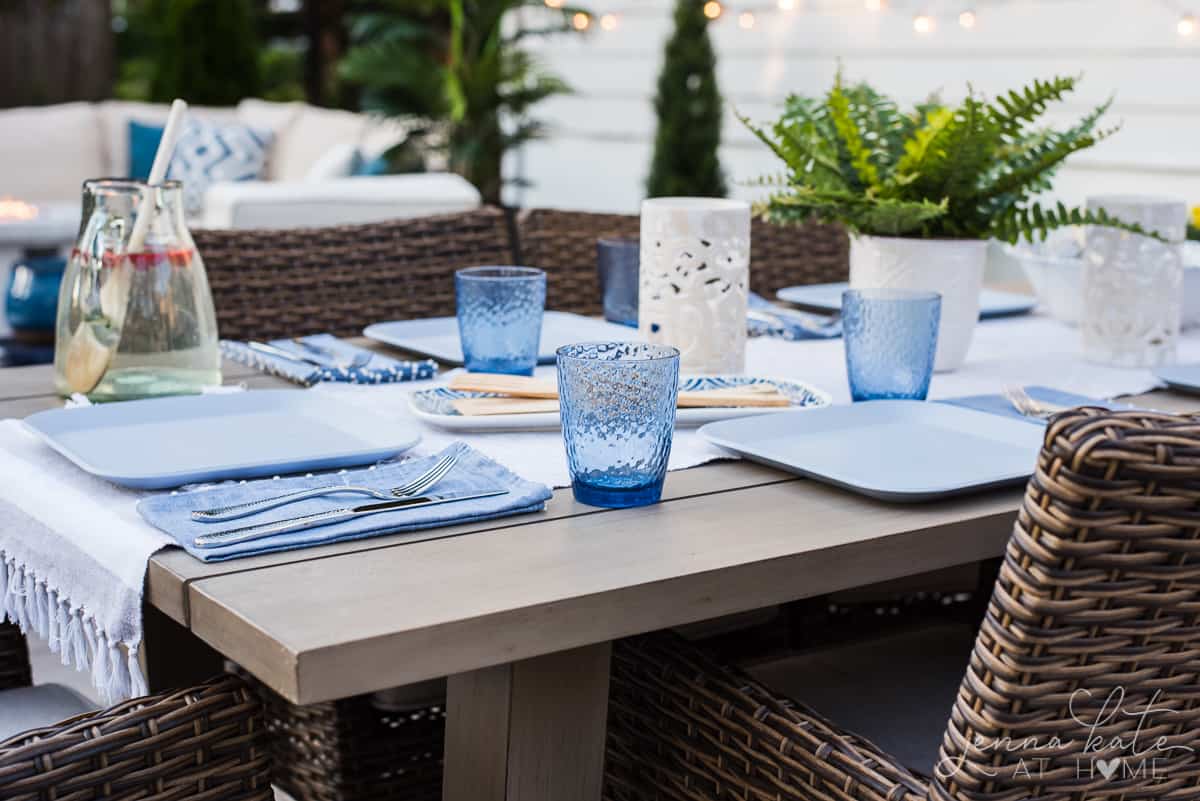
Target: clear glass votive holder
<point x="891" y="339"/>
<point x="1133" y="284"/>
<point x="617" y="403"/>
<point x="617" y="262"/>
<point x="500" y="317"/>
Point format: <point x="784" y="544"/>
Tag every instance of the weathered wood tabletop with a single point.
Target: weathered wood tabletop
<point x="520" y="615"/>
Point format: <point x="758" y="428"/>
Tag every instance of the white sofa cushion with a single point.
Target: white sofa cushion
<point x="336" y="162"/>
<point x="114" y="118"/>
<point x="310" y="135"/>
<point x="263" y="204"/>
<point x="47" y="152"/>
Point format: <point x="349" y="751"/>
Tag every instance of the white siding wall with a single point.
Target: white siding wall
<point x="598" y="155"/>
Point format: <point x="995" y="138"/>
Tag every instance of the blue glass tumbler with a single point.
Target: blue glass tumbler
<point x="500" y="317"/>
<point x="617" y="402"/>
<point x="890" y="337"/>
<point x="617" y="261"/>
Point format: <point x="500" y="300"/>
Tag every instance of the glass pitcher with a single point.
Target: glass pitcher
<point x="140" y="324"/>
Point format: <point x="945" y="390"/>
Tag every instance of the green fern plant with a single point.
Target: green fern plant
<point x="972" y="171"/>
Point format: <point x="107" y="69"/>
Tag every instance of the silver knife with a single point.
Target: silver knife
<point x="232" y="536"/>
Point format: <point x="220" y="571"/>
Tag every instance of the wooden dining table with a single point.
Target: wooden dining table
<point x="520" y="615"/>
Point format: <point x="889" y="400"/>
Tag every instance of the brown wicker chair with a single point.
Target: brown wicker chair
<point x="1099" y="590"/>
<point x="284" y="283"/>
<point x="564" y="244"/>
<point x="204" y="743"/>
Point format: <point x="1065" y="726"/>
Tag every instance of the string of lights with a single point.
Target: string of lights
<point x="924" y="22"/>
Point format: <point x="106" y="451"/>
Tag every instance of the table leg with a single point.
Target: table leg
<point x="174" y="657"/>
<point x="532" y="730"/>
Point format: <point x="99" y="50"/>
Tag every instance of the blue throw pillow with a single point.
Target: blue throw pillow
<point x="208" y="153"/>
<point x="143" y="144"/>
<point x="362" y="166"/>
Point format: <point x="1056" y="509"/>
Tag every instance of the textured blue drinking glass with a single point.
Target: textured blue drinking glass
<point x="617" y="261"/>
<point x="500" y="317"/>
<point x="617" y="402"/>
<point x="891" y="338"/>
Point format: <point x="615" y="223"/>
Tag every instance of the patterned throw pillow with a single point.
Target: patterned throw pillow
<point x="207" y="153"/>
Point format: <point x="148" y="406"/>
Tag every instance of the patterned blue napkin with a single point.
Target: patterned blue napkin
<point x="380" y="370"/>
<point x="998" y="404"/>
<point x="789" y="324"/>
<point x="171" y="512"/>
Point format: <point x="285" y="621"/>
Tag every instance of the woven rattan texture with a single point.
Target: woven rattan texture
<point x="1097" y="603"/>
<point x="682" y="727"/>
<point x="14" y="658"/>
<point x="350" y="750"/>
<point x="563" y="243"/>
<point x="286" y="283"/>
<point x="200" y="744"/>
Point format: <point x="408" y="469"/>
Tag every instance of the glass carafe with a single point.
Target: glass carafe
<point x="134" y="324"/>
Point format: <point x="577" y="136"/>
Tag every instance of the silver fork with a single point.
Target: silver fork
<point x="311" y="357"/>
<point x="1027" y="406"/>
<point x="414" y="487"/>
<point x="359" y="359"/>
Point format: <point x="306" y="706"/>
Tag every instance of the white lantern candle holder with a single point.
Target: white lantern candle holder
<point x="694" y="280"/>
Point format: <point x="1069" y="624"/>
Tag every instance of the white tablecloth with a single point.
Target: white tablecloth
<point x="1030" y="350"/>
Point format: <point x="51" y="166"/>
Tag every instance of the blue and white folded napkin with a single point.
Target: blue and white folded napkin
<point x="379" y="370"/>
<point x="767" y="319"/>
<point x="473" y="472"/>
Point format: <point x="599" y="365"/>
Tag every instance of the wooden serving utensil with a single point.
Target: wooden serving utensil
<point x="525" y="395"/>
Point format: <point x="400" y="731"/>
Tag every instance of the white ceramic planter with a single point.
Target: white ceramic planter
<point x="951" y="267"/>
<point x="694" y="280"/>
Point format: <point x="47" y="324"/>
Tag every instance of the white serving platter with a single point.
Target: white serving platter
<point x="435" y="406"/>
<point x="437" y="337"/>
<point x="828" y="298"/>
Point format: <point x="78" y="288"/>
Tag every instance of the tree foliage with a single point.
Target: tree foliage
<point x="459" y="74"/>
<point x="689" y="109"/>
<point x="206" y="53"/>
<point x="971" y="171"/>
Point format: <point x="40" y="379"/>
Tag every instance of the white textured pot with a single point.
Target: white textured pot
<point x="951" y="267"/>
<point x="694" y="279"/>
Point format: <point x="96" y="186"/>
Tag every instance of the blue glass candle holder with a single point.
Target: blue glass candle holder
<point x="500" y="317"/>
<point x="617" y="402"/>
<point x="890" y="337"/>
<point x="617" y="261"/>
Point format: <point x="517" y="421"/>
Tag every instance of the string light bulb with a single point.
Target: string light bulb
<point x="1186" y="25"/>
<point x="609" y="22"/>
<point x="555" y="3"/>
<point x="787" y="5"/>
<point x="924" y="24"/>
<point x="876" y="5"/>
<point x="967" y="19"/>
<point x="580" y="21"/>
<point x="746" y="20"/>
<point x="712" y="9"/>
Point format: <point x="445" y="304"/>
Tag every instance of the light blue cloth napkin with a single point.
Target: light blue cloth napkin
<point x="380" y="370"/>
<point x="998" y="404"/>
<point x="791" y="324"/>
<point x="171" y="512"/>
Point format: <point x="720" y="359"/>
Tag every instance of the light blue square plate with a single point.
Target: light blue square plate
<point x="437" y="337"/>
<point x="828" y="298"/>
<point x="893" y="450"/>
<point x="1181" y="377"/>
<point x="167" y="442"/>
